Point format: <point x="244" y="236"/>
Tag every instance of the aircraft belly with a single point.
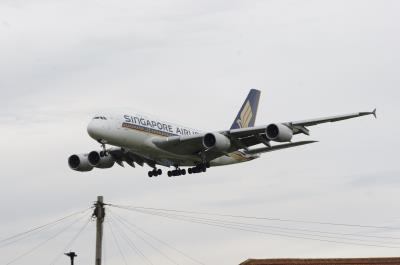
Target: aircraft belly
<point x="222" y="161"/>
<point x="141" y="143"/>
<point x="231" y="158"/>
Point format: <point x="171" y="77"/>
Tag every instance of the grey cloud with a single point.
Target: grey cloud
<point x="192" y="63"/>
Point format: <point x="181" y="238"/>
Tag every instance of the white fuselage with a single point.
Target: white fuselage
<point x="137" y="133"/>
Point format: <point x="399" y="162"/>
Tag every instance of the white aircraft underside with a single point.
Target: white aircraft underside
<point x="138" y="139"/>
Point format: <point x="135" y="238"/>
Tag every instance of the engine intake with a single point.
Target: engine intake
<point x="100" y="161"/>
<point x="79" y="162"/>
<point x="278" y="133"/>
<point x="216" y="141"/>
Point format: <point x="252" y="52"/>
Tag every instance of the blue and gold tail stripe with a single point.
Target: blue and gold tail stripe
<point x="247" y="114"/>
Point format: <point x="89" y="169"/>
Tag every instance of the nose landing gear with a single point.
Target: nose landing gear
<point x="104" y="151"/>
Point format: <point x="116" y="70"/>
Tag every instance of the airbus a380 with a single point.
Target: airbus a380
<point x="138" y="139"/>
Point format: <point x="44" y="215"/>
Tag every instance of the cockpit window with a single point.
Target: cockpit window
<point x="99" y="118"/>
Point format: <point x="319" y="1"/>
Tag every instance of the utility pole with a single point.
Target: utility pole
<point x="72" y="256"/>
<point x="99" y="214"/>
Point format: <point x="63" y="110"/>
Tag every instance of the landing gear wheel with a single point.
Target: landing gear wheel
<point x="169" y="174"/>
<point x="198" y="169"/>
<point x="183" y="172"/>
<point x="159" y="172"/>
<point x="150" y="174"/>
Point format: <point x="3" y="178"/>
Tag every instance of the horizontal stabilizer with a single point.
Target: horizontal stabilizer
<point x="277" y="147"/>
<point x="374" y="113"/>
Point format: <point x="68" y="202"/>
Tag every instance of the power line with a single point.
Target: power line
<point x="232" y="227"/>
<point x="306" y="232"/>
<point x="133" y="246"/>
<point x="257" y="218"/>
<point x="292" y="229"/>
<point x="116" y="243"/>
<point x="160" y="241"/>
<point x="44" y="242"/>
<point x="235" y="227"/>
<point x="309" y="232"/>
<point x="151" y="245"/>
<point x="8" y="241"/>
<point x="69" y="244"/>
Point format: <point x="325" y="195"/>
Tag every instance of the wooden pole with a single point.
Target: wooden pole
<point x="99" y="213"/>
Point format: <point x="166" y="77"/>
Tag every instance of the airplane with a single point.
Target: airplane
<point x="138" y="139"/>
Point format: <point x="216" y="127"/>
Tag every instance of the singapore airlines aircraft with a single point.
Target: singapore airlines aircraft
<point x="138" y="139"/>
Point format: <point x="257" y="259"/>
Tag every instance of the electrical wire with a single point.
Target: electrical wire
<point x="230" y="226"/>
<point x="257" y="218"/>
<point x="45" y="241"/>
<point x="306" y="232"/>
<point x="236" y="227"/>
<point x="20" y="236"/>
<point x="150" y="244"/>
<point x="69" y="244"/>
<point x="288" y="228"/>
<point x="116" y="243"/>
<point x="312" y="233"/>
<point x="131" y="244"/>
<point x="301" y="230"/>
<point x="159" y="240"/>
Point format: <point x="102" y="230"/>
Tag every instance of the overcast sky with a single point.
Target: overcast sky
<point x="193" y="62"/>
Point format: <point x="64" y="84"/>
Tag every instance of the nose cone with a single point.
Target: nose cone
<point x="92" y="129"/>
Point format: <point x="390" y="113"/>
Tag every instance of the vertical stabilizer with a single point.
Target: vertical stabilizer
<point x="247" y="114"/>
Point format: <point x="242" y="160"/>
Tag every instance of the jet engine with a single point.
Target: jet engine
<point x="100" y="161"/>
<point x="79" y="162"/>
<point x="278" y="133"/>
<point x="216" y="141"/>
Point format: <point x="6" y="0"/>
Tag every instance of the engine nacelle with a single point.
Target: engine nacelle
<point x="99" y="161"/>
<point x="79" y="162"/>
<point x="216" y="141"/>
<point x="278" y="133"/>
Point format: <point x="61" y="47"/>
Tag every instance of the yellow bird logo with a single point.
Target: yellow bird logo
<point x="245" y="116"/>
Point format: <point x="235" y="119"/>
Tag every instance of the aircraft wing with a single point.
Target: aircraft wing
<point x="331" y="119"/>
<point x="243" y="138"/>
<point x="298" y="126"/>
<point x="261" y="150"/>
<point x="121" y="155"/>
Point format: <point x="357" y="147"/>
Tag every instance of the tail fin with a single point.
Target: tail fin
<point x="247" y="114"/>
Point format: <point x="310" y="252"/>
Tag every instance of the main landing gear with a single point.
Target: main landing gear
<point x="179" y="172"/>
<point x="198" y="169"/>
<point x="176" y="172"/>
<point x="155" y="173"/>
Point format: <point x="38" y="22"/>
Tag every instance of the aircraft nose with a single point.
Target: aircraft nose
<point x="91" y="129"/>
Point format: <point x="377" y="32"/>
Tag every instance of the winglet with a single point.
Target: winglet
<point x="374" y="113"/>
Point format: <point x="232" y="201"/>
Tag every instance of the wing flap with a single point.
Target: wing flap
<point x="277" y="147"/>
